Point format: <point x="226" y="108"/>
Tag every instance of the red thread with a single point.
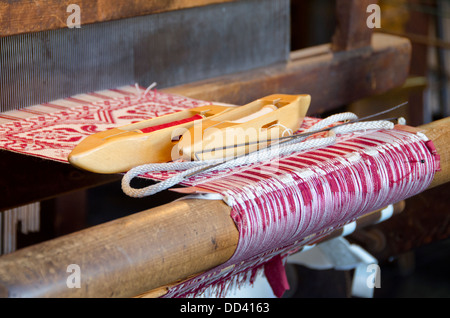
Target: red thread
<point x="171" y="124"/>
<point x="276" y="276"/>
<point x="430" y="145"/>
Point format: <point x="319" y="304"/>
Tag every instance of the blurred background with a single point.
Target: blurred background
<point x="425" y="22"/>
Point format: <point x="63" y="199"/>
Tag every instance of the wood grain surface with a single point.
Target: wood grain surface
<point x="344" y="76"/>
<point x="25" y="16"/>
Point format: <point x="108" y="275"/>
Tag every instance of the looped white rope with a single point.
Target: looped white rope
<point x="188" y="168"/>
<point x="330" y="120"/>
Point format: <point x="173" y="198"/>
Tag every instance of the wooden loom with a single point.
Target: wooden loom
<point x="174" y="241"/>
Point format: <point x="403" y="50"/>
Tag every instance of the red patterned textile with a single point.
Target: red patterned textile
<point x="53" y="134"/>
<point x="278" y="206"/>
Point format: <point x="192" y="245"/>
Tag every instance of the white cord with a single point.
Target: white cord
<point x="149" y="88"/>
<point x="139" y="92"/>
<point x="188" y="168"/>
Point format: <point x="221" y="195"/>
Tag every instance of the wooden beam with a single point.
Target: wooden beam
<point x="132" y="255"/>
<point x="26" y="16"/>
<point x="362" y="222"/>
<point x="127" y="256"/>
<point x="439" y="132"/>
<point x="344" y="77"/>
<point x="351" y="31"/>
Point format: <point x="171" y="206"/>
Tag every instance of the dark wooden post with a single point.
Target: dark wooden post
<point x="352" y="31"/>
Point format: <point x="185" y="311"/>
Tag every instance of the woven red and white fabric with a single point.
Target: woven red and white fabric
<point x="278" y="206"/>
<point x="52" y="130"/>
<point x="283" y="205"/>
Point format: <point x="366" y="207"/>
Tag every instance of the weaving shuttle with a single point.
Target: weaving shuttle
<point x="120" y="149"/>
<point x="244" y="129"/>
<point x="184" y="134"/>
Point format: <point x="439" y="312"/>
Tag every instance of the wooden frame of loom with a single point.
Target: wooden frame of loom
<point x="169" y="243"/>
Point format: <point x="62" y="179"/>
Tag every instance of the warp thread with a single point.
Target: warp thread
<point x="310" y="194"/>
